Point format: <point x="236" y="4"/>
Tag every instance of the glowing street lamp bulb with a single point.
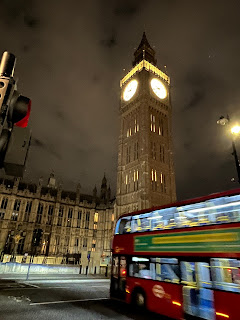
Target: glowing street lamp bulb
<point x="235" y="130"/>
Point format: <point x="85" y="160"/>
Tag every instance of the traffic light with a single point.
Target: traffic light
<point x="15" y="110"/>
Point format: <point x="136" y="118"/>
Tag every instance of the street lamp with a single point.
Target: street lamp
<point x="234" y="130"/>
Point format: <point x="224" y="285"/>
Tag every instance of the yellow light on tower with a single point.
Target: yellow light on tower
<point x="235" y="129"/>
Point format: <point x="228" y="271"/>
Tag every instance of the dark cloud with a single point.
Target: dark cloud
<point x="44" y="146"/>
<point x="36" y="142"/>
<point x="126" y="9"/>
<point x="19" y="12"/>
<point x="25" y="48"/>
<point x="96" y="78"/>
<point x="110" y="41"/>
<point x="60" y="115"/>
<point x="197" y="97"/>
<point x="30" y="21"/>
<point x="187" y="146"/>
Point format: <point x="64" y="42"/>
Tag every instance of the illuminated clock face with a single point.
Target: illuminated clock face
<point x="158" y="88"/>
<point x="130" y="90"/>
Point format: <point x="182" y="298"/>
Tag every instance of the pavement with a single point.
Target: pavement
<point x="63" y="298"/>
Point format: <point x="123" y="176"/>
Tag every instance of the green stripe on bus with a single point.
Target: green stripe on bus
<point x="221" y="240"/>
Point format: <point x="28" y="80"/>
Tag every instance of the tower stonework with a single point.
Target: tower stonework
<point x="145" y="175"/>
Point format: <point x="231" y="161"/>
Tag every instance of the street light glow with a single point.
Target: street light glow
<point x="235" y="130"/>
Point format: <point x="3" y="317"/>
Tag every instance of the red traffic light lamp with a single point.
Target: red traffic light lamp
<point x="19" y="110"/>
<point x="14" y="115"/>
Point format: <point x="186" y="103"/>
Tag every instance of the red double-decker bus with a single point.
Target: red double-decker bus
<point x="181" y="260"/>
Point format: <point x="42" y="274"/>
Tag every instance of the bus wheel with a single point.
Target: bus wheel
<point x="139" y="299"/>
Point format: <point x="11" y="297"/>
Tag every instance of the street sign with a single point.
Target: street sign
<point x="89" y="255"/>
<point x="105" y="261"/>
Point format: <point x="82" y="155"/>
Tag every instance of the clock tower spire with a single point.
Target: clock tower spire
<point x="144" y="51"/>
<point x="145" y="176"/>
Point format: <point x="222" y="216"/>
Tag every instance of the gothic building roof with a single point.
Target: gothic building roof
<point x="68" y="194"/>
<point x="21" y="186"/>
<point x="144" y="51"/>
<point x="51" y="191"/>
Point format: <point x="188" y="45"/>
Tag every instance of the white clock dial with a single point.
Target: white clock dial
<point x="159" y="88"/>
<point x="130" y="90"/>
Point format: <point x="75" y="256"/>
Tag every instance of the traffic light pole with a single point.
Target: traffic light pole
<point x="234" y="153"/>
<point x="29" y="268"/>
<point x="7" y="86"/>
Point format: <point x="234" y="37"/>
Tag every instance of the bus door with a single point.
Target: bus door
<point x="118" y="279"/>
<point x="197" y="290"/>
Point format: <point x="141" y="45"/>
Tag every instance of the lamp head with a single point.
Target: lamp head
<point x="222" y="121"/>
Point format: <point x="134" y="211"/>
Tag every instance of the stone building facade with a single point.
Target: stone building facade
<point x="54" y="225"/>
<point x="145" y="175"/>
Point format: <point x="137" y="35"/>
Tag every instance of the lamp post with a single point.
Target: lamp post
<point x="234" y="130"/>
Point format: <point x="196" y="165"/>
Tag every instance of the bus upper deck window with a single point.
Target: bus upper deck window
<point x="124" y="225"/>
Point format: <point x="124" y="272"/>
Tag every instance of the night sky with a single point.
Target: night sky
<point x="71" y="56"/>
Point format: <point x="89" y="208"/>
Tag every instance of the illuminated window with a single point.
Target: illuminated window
<point x="154" y="179"/>
<point x="127" y="183"/>
<point x="95" y="221"/>
<point x="136" y="125"/>
<point x="160" y="128"/>
<point x="154" y="175"/>
<point x="94" y="245"/>
<point x="135" y="179"/>
<point x="163" y="182"/>
<point x="153" y="123"/>
<point x="112" y="216"/>
<point x="129" y="132"/>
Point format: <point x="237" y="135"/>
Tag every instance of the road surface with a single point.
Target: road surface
<point x="65" y="299"/>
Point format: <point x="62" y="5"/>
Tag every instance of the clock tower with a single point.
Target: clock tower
<point x="145" y="176"/>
